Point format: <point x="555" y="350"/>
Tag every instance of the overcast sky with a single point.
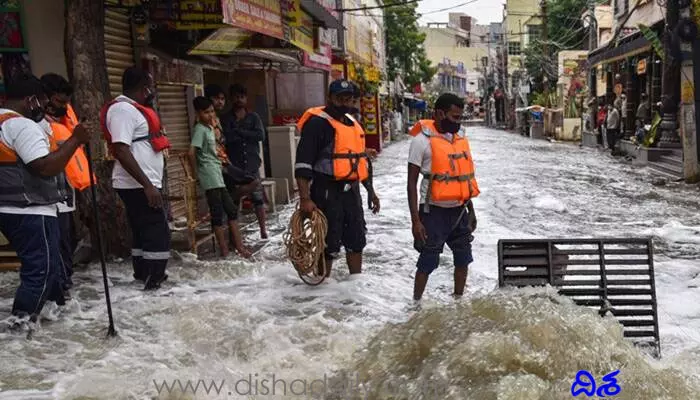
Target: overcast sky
<point x="485" y="11"/>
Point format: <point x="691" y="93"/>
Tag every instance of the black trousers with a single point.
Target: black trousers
<point x="150" y="248"/>
<point x="68" y="245"/>
<point x="341" y="203"/>
<point x="220" y="203"/>
<point x="613" y="136"/>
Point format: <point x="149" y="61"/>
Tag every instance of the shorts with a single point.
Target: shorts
<point x="346" y="218"/>
<point x="257" y="197"/>
<point x="220" y="202"/>
<point x="444" y="226"/>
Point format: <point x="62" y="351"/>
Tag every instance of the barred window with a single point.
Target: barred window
<point x="514" y="48"/>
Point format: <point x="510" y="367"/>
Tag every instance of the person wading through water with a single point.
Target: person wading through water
<point x="440" y="152"/>
<point x="60" y="122"/>
<point x="331" y="162"/>
<point x="32" y="183"/>
<point x="133" y="130"/>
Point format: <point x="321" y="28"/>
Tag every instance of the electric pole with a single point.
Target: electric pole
<point x="592" y="45"/>
<point x="545" y="44"/>
<point x="670" y="85"/>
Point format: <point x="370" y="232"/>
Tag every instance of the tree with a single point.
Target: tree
<point x="87" y="70"/>
<point x="565" y="32"/>
<point x="404" y="46"/>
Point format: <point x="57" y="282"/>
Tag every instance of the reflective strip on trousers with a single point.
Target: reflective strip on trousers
<point x="156" y="255"/>
<point x="136" y="253"/>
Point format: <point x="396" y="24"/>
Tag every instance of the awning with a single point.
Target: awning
<point x="265" y="55"/>
<point x="320" y="13"/>
<point x="628" y="49"/>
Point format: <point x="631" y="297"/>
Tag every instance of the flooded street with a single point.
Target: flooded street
<point x="234" y="323"/>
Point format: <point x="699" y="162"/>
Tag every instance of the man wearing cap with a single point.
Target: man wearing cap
<point x="331" y="162"/>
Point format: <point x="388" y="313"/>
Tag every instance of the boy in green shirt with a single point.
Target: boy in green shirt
<point x="209" y="170"/>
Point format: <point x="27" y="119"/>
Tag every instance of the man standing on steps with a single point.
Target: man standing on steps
<point x="441" y="153"/>
<point x="331" y="162"/>
<point x="244" y="131"/>
<point x="31" y="185"/>
<point x="137" y="177"/>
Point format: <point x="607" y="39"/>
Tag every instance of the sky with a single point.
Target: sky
<point x="485" y="11"/>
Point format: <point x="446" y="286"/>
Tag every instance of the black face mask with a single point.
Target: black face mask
<point x="449" y="126"/>
<point x="354" y="110"/>
<point x="37" y="114"/>
<point x="57" y="112"/>
<point x="150" y="100"/>
<point x="344" y="109"/>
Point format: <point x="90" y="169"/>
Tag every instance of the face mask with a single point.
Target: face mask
<point x="344" y="109"/>
<point x="449" y="126"/>
<point x="150" y="98"/>
<point x="57" y="112"/>
<point x="354" y="110"/>
<point x="36" y="112"/>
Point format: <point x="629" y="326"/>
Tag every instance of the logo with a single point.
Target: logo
<point x="585" y="384"/>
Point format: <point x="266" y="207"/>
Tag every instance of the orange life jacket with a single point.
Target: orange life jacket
<point x="418" y="127"/>
<point x="348" y="158"/>
<point x="77" y="171"/>
<point x="20" y="187"/>
<point x="156" y="134"/>
<point x="308" y="114"/>
<point x="452" y="169"/>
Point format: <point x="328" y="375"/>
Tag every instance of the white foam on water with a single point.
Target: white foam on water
<point x="228" y="319"/>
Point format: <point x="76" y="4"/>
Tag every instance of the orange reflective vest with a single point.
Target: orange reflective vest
<point x="77" y="171"/>
<point x="20" y="187"/>
<point x="348" y="159"/>
<point x="308" y="114"/>
<point x="418" y="127"/>
<point x="451" y="177"/>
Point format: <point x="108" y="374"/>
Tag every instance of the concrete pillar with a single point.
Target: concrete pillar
<point x="283" y="151"/>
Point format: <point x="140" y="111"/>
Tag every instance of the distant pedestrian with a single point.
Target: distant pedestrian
<point x="613" y="122"/>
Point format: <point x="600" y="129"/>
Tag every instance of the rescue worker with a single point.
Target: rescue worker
<point x="31" y="185"/>
<point x="440" y="152"/>
<point x="244" y="131"/>
<point x="331" y="162"/>
<point x="133" y="130"/>
<point x="60" y="122"/>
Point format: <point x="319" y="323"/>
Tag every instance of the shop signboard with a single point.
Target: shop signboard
<point x="262" y="16"/>
<point x="322" y="59"/>
<point x="222" y="42"/>
<point x="370" y="114"/>
<point x="299" y="29"/>
<point x="200" y="14"/>
<point x="330" y="6"/>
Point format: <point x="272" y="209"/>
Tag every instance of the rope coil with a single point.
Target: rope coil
<point x="305" y="240"/>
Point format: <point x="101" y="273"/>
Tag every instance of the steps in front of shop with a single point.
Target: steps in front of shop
<point x="669" y="165"/>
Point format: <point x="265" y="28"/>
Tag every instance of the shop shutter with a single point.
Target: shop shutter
<point x="119" y="51"/>
<point x="172" y="106"/>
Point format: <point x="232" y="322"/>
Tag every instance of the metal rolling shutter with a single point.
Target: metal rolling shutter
<point x="119" y="51"/>
<point x="172" y="105"/>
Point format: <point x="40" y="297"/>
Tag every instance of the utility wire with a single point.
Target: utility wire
<point x="398" y="4"/>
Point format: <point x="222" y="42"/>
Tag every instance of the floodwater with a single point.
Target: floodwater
<point x="237" y="330"/>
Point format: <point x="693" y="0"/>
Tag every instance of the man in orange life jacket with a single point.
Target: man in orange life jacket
<point x="332" y="154"/>
<point x="138" y="175"/>
<point x="440" y="152"/>
<point x="59" y="122"/>
<point x="31" y="185"/>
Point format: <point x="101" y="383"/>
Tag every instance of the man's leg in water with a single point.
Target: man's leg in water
<point x="325" y="196"/>
<point x="458" y="242"/>
<point x="436" y="223"/>
<point x="354" y="229"/>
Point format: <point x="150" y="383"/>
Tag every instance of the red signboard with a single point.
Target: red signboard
<point x="262" y="16"/>
<point x="323" y="59"/>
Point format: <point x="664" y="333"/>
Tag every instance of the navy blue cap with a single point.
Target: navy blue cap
<point x="341" y="86"/>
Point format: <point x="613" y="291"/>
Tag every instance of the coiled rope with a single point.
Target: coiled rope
<point x="305" y="240"/>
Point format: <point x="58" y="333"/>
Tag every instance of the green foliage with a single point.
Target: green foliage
<point x="565" y="32"/>
<point x="404" y="46"/>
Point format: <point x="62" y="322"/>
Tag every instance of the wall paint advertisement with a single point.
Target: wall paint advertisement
<point x="262" y="16"/>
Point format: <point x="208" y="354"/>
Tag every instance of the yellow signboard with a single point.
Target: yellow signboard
<point x="223" y="41"/>
<point x="200" y="14"/>
<point x="302" y="36"/>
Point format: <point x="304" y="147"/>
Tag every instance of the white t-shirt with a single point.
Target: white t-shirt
<point x="125" y="123"/>
<point x="420" y="154"/>
<point x="30" y="142"/>
<point x="63" y="206"/>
